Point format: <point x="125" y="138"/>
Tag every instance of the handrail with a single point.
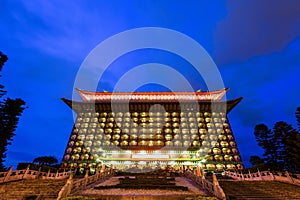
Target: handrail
<point x="266" y="176"/>
<point x="27" y="173"/>
<point x="71" y="186"/>
<point x="212" y="187"/>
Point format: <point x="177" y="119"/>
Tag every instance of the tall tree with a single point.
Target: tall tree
<point x="281" y="145"/>
<point x="281" y="130"/>
<point x="256" y="160"/>
<point x="263" y="136"/>
<point x="292" y="145"/>
<point x="3" y="59"/>
<point x="298" y="117"/>
<point x="10" y="111"/>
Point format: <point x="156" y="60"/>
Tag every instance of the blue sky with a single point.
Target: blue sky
<point x="254" y="43"/>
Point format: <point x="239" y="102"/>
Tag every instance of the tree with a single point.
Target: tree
<point x="256" y="160"/>
<point x="10" y="111"/>
<point x="46" y="160"/>
<point x="282" y="131"/>
<point x="281" y="145"/>
<point x="3" y="59"/>
<point x="298" y="117"/>
<point x="263" y="136"/>
<point x="292" y="143"/>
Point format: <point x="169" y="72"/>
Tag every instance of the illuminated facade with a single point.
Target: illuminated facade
<point x="151" y="129"/>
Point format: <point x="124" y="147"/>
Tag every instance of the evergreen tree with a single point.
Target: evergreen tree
<point x="10" y="111"/>
<point x="256" y="160"/>
<point x="298" y="117"/>
<point x="3" y="59"/>
<point x="281" y="145"/>
<point x="263" y="136"/>
<point x="292" y="143"/>
<point x="282" y="131"/>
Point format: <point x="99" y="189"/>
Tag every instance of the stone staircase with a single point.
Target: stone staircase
<point x="31" y="189"/>
<point x="132" y="188"/>
<point x="259" y="190"/>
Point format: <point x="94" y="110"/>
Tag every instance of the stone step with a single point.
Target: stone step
<point x="260" y="190"/>
<point x="31" y="189"/>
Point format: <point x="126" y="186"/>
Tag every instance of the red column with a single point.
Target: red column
<point x="198" y="171"/>
<point x="103" y="168"/>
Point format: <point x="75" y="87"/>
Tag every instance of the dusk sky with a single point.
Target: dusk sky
<point x="254" y="43"/>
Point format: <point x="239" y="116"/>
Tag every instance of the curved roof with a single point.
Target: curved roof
<point x="151" y="96"/>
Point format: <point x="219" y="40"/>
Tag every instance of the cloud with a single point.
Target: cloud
<point x="256" y="27"/>
<point x="269" y="85"/>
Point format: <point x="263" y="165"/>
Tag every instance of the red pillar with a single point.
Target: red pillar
<point x="103" y="168"/>
<point x="198" y="171"/>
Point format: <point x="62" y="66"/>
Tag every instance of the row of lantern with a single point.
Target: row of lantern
<point x="153" y="135"/>
<point x="167" y="137"/>
<point x="135" y="143"/>
<point x="152" y="124"/>
<point x="138" y="120"/>
<point x="150" y="114"/>
<point x="159" y="123"/>
<point x="151" y="119"/>
<point x="144" y="130"/>
<point x="142" y="107"/>
<point x="205" y="145"/>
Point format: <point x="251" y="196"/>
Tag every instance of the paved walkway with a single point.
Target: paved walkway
<point x="180" y="181"/>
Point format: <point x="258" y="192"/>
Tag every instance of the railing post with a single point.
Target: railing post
<point x="235" y="174"/>
<point x="272" y="175"/>
<point x="9" y="172"/>
<point x="26" y="171"/>
<point x="56" y="175"/>
<point x="215" y="180"/>
<point x="218" y="190"/>
<point x="86" y="178"/>
<point x="70" y="179"/>
<point x="250" y="175"/>
<point x="203" y="175"/>
<point x="289" y="177"/>
<point x="203" y="178"/>
<point x="48" y="174"/>
<point x="38" y="173"/>
<point x="259" y="174"/>
<point x="66" y="190"/>
<point x="243" y="178"/>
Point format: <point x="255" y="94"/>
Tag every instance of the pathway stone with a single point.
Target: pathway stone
<point x="192" y="193"/>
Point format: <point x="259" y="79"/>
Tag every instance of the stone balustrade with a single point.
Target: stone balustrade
<point x="257" y="176"/>
<point x="266" y="176"/>
<point x="27" y="173"/>
<point x="72" y="186"/>
<point x="212" y="187"/>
